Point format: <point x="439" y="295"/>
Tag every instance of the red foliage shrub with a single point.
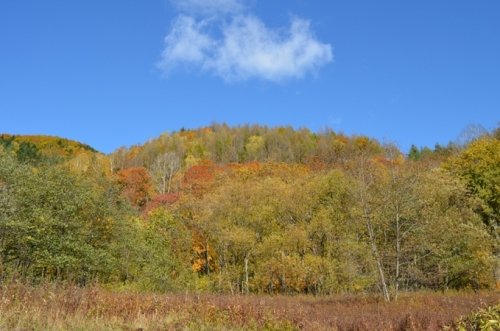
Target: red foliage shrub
<point x="161" y="200"/>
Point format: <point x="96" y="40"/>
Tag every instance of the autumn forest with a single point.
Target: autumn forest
<point x="252" y="210"/>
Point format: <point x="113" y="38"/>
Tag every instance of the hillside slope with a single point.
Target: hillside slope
<point x="35" y="146"/>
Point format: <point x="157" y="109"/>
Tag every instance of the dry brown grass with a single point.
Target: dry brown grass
<point x="51" y="307"/>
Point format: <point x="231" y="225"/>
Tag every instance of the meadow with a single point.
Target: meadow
<point x="67" y="307"/>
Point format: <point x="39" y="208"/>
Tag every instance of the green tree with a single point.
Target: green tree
<point x="452" y="247"/>
<point x="28" y="153"/>
<point x="479" y="167"/>
<point x="55" y="224"/>
<point x="414" y="153"/>
<point x="166" y="261"/>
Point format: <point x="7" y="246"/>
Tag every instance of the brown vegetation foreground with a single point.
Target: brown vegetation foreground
<point x="52" y="307"/>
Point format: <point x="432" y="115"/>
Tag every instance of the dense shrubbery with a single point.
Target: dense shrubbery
<point x="55" y="224"/>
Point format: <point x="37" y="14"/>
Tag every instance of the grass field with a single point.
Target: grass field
<point x="51" y="307"/>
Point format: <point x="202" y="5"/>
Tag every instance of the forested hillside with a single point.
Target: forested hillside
<point x="252" y="209"/>
<point x="37" y="148"/>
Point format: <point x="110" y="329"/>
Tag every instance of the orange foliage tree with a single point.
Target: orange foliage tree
<point x="198" y="179"/>
<point x="136" y="185"/>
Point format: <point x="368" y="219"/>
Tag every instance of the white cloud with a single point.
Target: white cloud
<point x="219" y="37"/>
<point x="209" y="7"/>
<point x="250" y="49"/>
<point x="185" y="43"/>
<point x="245" y="49"/>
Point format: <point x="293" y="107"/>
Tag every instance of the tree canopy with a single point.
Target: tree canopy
<point x="252" y="210"/>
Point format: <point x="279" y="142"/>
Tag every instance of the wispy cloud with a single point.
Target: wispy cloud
<point x="186" y="42"/>
<point x="243" y="47"/>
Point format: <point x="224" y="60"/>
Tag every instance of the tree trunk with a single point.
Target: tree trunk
<point x="376" y="255"/>
<point x="398" y="257"/>
<point x="246" y="274"/>
<point x="207" y="263"/>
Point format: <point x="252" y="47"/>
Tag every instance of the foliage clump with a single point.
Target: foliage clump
<point x="487" y="319"/>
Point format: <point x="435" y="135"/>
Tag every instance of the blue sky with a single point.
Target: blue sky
<point x="119" y="72"/>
